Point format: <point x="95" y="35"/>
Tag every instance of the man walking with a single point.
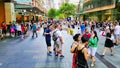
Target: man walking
<point x="34" y="27"/>
<point x="59" y="41"/>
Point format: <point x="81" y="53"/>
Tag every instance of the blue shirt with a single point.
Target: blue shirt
<point x="82" y="26"/>
<point x="34" y="26"/>
<point x="12" y="26"/>
<point x="48" y="37"/>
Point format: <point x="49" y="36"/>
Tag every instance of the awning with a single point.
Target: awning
<point x="6" y="0"/>
<point x="22" y="6"/>
<point x="28" y="8"/>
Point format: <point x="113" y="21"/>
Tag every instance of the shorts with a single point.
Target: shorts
<point x="4" y="31"/>
<point x="23" y="33"/>
<point x="58" y="45"/>
<point x="34" y="31"/>
<point x="116" y="36"/>
<point x="92" y="50"/>
<point x="0" y="31"/>
<point x="48" y="42"/>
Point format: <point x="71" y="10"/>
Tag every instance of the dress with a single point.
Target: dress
<point x="108" y="41"/>
<point x="74" y="60"/>
<point x="81" y="62"/>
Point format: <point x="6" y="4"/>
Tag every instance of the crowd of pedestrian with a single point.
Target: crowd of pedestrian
<point x="85" y="42"/>
<point x="18" y="28"/>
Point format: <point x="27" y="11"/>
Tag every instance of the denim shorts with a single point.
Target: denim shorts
<point x="116" y="36"/>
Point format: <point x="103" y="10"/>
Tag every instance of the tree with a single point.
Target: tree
<point x="67" y="9"/>
<point x="61" y="16"/>
<point x="52" y="13"/>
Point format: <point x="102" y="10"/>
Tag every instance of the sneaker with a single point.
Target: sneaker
<point x="61" y="56"/>
<point x="56" y="55"/>
<point x="32" y="36"/>
<point x="36" y="36"/>
<point x="111" y="54"/>
<point x="102" y="55"/>
<point x="54" y="49"/>
<point x="49" y="54"/>
<point x="115" y="44"/>
<point x="2" y="38"/>
<point x="92" y="65"/>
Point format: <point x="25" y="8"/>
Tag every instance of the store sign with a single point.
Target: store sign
<point x="23" y="1"/>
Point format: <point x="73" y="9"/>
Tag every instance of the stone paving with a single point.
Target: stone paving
<point x="31" y="53"/>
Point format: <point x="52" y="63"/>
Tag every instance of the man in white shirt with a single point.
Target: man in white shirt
<point x="59" y="41"/>
<point x="18" y="27"/>
<point x="116" y="32"/>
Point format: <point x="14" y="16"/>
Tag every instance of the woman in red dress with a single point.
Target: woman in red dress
<point x="23" y="30"/>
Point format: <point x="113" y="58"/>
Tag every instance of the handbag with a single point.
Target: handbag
<point x="12" y="30"/>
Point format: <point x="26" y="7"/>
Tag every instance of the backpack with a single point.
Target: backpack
<point x="54" y="37"/>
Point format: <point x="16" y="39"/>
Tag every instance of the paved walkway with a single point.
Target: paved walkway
<point x="31" y="53"/>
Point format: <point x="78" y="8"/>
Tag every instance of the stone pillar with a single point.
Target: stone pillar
<point x="9" y="12"/>
<point x="2" y="12"/>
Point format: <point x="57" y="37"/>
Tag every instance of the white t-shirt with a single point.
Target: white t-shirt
<point x="19" y="27"/>
<point x="107" y="27"/>
<point x="112" y="38"/>
<point x="58" y="34"/>
<point x="117" y="29"/>
<point x="79" y="31"/>
<point x="45" y="25"/>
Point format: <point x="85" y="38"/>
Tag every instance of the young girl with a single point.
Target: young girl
<point x="12" y="30"/>
<point x="108" y="42"/>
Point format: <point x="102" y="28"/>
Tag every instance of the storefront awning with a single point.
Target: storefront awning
<point x="28" y="7"/>
<point x="22" y="6"/>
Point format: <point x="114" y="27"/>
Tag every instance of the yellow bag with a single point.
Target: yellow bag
<point x="68" y="30"/>
<point x="71" y="31"/>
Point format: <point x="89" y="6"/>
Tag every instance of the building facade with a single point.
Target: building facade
<point x="100" y="10"/>
<point x="25" y="10"/>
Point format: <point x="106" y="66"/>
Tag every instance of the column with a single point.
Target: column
<point x="2" y="12"/>
<point x="9" y="12"/>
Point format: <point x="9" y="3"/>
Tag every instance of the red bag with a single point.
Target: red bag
<point x="103" y="33"/>
<point x="37" y="29"/>
<point x="74" y="60"/>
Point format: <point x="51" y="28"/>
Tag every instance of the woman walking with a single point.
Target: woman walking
<point x="93" y="46"/>
<point x="109" y="42"/>
<point x="47" y="34"/>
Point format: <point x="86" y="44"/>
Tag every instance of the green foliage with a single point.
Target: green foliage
<point x="61" y="16"/>
<point x="67" y="9"/>
<point x="52" y="13"/>
<point x="64" y="11"/>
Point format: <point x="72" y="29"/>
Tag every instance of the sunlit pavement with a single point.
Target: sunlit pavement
<point x="31" y="53"/>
